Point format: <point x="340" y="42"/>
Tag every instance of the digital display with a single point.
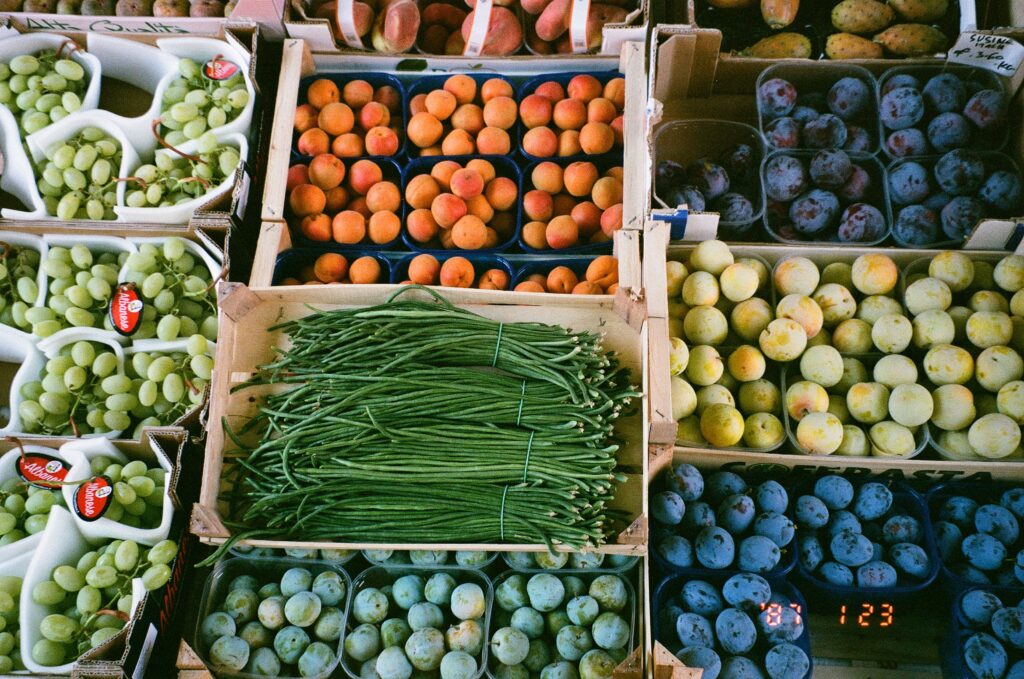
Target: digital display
<point x="774" y="616"/>
<point x="867" y="615"/>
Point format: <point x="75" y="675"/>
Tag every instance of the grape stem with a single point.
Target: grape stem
<point x="138" y="180"/>
<point x="165" y="144"/>
<point x="204" y="182"/>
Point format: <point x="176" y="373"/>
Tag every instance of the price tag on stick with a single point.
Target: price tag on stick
<point x="579" y="12"/>
<point x="995" y="53"/>
<point x="478" y="31"/>
<point x="345" y="13"/>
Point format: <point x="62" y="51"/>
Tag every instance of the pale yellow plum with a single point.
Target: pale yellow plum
<point x="823" y="338"/>
<point x="678" y="355"/>
<point x="986" y="403"/>
<point x="675" y="327"/>
<point x="955" y="269"/>
<point x="684" y="398"/>
<point x="783" y="340"/>
<point x="959" y="314"/>
<point x="837" y="406"/>
<point x="675" y="274"/>
<point x="891" y="439"/>
<point x="953" y="407"/>
<point x="853" y="336"/>
<point x="763" y="430"/>
<point x="1017" y="303"/>
<point x="803" y="310"/>
<point x="712" y="394"/>
<point x="819" y="434"/>
<point x="989" y="300"/>
<point x="853" y="373"/>
<point x="711" y="256"/>
<point x="700" y="289"/>
<point x="705" y="366"/>
<point x="984" y="276"/>
<point x="910" y="405"/>
<point x="805" y="397"/>
<point x="892" y="333"/>
<point x="1010" y="401"/>
<point x="836" y="303"/>
<point x="955" y="445"/>
<point x="997" y="366"/>
<point x="933" y="327"/>
<point x="868" y="402"/>
<point x="895" y="369"/>
<point x="705" y="325"/>
<point x="1009" y="273"/>
<point x="796" y="276"/>
<point x="722" y="425"/>
<point x="746" y="363"/>
<point x="729" y="382"/>
<point x="994" y="436"/>
<point x="874" y="307"/>
<point x="739" y="282"/>
<point x="676" y="309"/>
<point x="759" y="268"/>
<point x="749" y="318"/>
<point x="822" y="365"/>
<point x="840" y="273"/>
<point x="759" y="396"/>
<point x="855" y="442"/>
<point x="989" y="328"/>
<point x="927" y="294"/>
<point x="874" y="274"/>
<point x="947" y="364"/>
<point x="688" y="432"/>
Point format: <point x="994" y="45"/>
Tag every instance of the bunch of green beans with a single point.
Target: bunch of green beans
<point x="416" y="421"/>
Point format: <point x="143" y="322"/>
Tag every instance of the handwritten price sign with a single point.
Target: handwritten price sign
<point x="992" y="52"/>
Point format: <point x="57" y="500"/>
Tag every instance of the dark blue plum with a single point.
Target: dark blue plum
<point x="785" y="178"/>
<point x="843" y="520"/>
<point x="1008" y="626"/>
<point x="851" y="549"/>
<point x="857" y="186"/>
<point x="907" y="143"/>
<point x="687" y="481"/>
<point x="876" y="575"/>
<point x="699" y="515"/>
<point x="776" y="97"/>
<point x="770" y="496"/>
<point x="740" y="667"/>
<point x="735" y="208"/>
<point x="1016" y="670"/>
<point x="758" y="554"/>
<point x="735" y="631"/>
<point x="1013" y="500"/>
<point x="830" y="168"/>
<point x="667" y="508"/>
<point x="747" y="591"/>
<point x="702" y="657"/>
<point x="786" y="661"/>
<point x="959" y="510"/>
<point x="944" y="93"/>
<point x="971" y="574"/>
<point x="986" y="109"/>
<point x="879" y="551"/>
<point x="676" y="550"/>
<point x="694" y="630"/>
<point x="740" y="161"/>
<point x="804" y="114"/>
<point x="715" y="548"/>
<point x="909" y="183"/>
<point x="721" y="485"/>
<point x="858" y="140"/>
<point x="985" y="656"/>
<point x="701" y="597"/>
<point x="901" y="528"/>
<point x="781" y="624"/>
<point x="814" y="212"/>
<point x="835" y="491"/>
<point x="901" y="80"/>
<point x="948" y="538"/>
<point x="836" y="574"/>
<point x="783" y="133"/>
<point x="736" y="513"/>
<point x="873" y="501"/>
<point x="809" y="551"/>
<point x="1001" y="191"/>
<point x="910" y="559"/>
<point x="983" y="551"/>
<point x="978" y="606"/>
<point x="901" y="108"/>
<point x="685" y="194"/>
<point x="849" y="98"/>
<point x="811" y="512"/>
<point x="937" y="201"/>
<point x="916" y="225"/>
<point x="997" y="521"/>
<point x="960" y="215"/>
<point x="778" y="528"/>
<point x="711" y="179"/>
<point x="948" y="131"/>
<point x="824" y="132"/>
<point x="960" y="172"/>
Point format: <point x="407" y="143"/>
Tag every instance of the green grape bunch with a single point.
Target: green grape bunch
<point x="178" y="286"/>
<point x="81" y="283"/>
<point x="168" y="385"/>
<point x="193" y="103"/>
<point x="91" y="601"/>
<point x="80" y="175"/>
<point x="80" y="391"/>
<point x="41" y="89"/>
<point x="24" y="510"/>
<point x="174" y="178"/>
<point x="138" y="492"/>
<point x="10" y="653"/>
<point x="19" y="267"/>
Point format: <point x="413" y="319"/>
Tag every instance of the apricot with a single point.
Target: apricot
<point x="457" y="143"/>
<point x="434" y="150"/>
<point x="479" y="207"/>
<point x="424" y="129"/>
<point x="347" y="146"/>
<point x="448" y="209"/>
<point x="600" y="237"/>
<point x="616" y="172"/>
<point x="500" y="112"/>
<point x="445" y="236"/>
<point x="336" y="118"/>
<point x="493" y="141"/>
<point x="561" y="280"/>
<point x="305" y="118"/>
<point x="535" y="111"/>
<point x="611" y="289"/>
<point x="348" y="227"/>
<point x="357" y="93"/>
<point x="587" y="288"/>
<point x="493" y="279"/>
<point x="467" y="184"/>
<point x="533" y="235"/>
<point x="457" y="272"/>
<point x="550" y="90"/>
<point x="604" y="271"/>
<point x="358" y="204"/>
<point x="584" y="87"/>
<point x="607" y="192"/>
<point x="588" y="218"/>
<point x="570" y="114"/>
<point x="383" y="196"/>
<point x="364" y="174"/>
<point x="503" y="225"/>
<point x="492" y="240"/>
<point x="484" y="167"/>
<point x="322" y="92"/>
<point x="421" y="191"/>
<point x="337" y="198"/>
<point x="441" y="104"/>
<point x="611" y="219"/>
<point x="618" y="129"/>
<point x="469" y="233"/>
<point x="424" y="269"/>
<point x="562" y="204"/>
<point x="569" y="144"/>
<point x="316" y="227"/>
<point x="462" y="86"/>
<point x="381" y="141"/>
<point x="580" y="178"/>
<point x="442" y="172"/>
<point x="306" y="199"/>
<point x="540" y="142"/>
<point x="562" y="232"/>
<point x="421" y="225"/>
<point x="326" y="171"/>
<point x="364" y="271"/>
<point x="538" y="278"/>
<point x="313" y="142"/>
<point x="501" y="193"/>
<point x="374" y="115"/>
<point x="538" y="205"/>
<point x="529" y="286"/>
<point x="330" y="267"/>
<point x="601" y="110"/>
<point x="615" y="91"/>
<point x="494" y="88"/>
<point x="306" y="273"/>
<point x="547" y="176"/>
<point x="297" y="174"/>
<point x="596" y="138"/>
<point x="384" y="227"/>
<point x="390" y="97"/>
<point x="290" y="281"/>
<point x="418" y="104"/>
<point x="469" y="117"/>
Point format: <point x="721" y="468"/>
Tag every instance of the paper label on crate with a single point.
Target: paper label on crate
<point x="125" y="309"/>
<point x="220" y="69"/>
<point x="478" y="31"/>
<point x="578" y="15"/>
<point x="345" y="13"/>
<point x="93" y="498"/>
<point x="995" y="53"/>
<point x="41" y="471"/>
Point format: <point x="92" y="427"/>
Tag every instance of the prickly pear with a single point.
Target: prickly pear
<point x="850" y="46"/>
<point x="779" y="13"/>
<point x="912" y="40"/>
<point x="780" y="46"/>
<point x="98" y="7"/>
<point x="861" y="16"/>
<point x="922" y="11"/>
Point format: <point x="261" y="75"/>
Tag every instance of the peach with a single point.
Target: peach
<point x="347" y="146"/>
<point x="550" y="90"/>
<point x="383" y="196"/>
<point x="601" y="110"/>
<point x="618" y="130"/>
<point x="611" y="219"/>
<point x="494" y="88"/>
<point x="469" y="233"/>
<point x="418" y="104"/>
<point x="384" y="227"/>
<point x="421" y="191"/>
<point x="504" y="32"/>
<point x="442" y="172"/>
<point x="570" y="114"/>
<point x="562" y="204"/>
<point x="538" y="205"/>
<point x="596" y="138"/>
<point x="468" y="117"/>
<point x="588" y="218"/>
<point x="297" y="174"/>
<point x="493" y="141"/>
<point x="421" y="225"/>
<point x="484" y="167"/>
<point x="424" y="269"/>
<point x="501" y="193"/>
<point x="381" y="141"/>
<point x="500" y="112"/>
<point x="390" y="97"/>
<point x="457" y="272"/>
<point x="348" y="227"/>
<point x="580" y="178"/>
<point x="305" y="117"/>
<point x="584" y="87"/>
<point x="364" y="271"/>
<point x="587" y="288"/>
<point x="467" y="184"/>
<point x="337" y="199"/>
<point x="364" y="174"/>
<point x="607" y="191"/>
<point x="313" y="142"/>
<point x="458" y="143"/>
<point x="316" y="227"/>
<point x="615" y="91"/>
<point x="330" y="267"/>
<point x="479" y="207"/>
<point x="569" y="143"/>
<point x="604" y="271"/>
<point x="307" y="199"/>
<point x="447" y="209"/>
<point x="540" y="142"/>
<point x="547" y="176"/>
<point x="561" y="279"/>
<point x="533" y="235"/>
<point x="373" y="115"/>
<point x="424" y="129"/>
<point x="335" y="118"/>
<point x="562" y="232"/>
<point x="535" y="111"/>
<point x="322" y="92"/>
<point x="462" y="86"/>
<point x="433" y="37"/>
<point x="493" y="279"/>
<point x="529" y="286"/>
<point x="358" y="204"/>
<point x="326" y="171"/>
<point x="357" y="93"/>
<point x="503" y="224"/>
<point x="441" y="104"/>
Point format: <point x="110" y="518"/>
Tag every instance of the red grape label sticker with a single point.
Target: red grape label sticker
<point x="93" y="497"/>
<point x="125" y="309"/>
<point x="219" y="69"/>
<point x="41" y="470"/>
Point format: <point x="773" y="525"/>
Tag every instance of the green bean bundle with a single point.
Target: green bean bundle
<point x="420" y="422"/>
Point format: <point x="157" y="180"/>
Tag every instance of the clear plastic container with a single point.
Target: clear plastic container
<point x="427" y="84"/>
<point x="960" y="629"/>
<point x="543" y="266"/>
<point x="481" y="263"/>
<point x="290" y="262"/>
<point x="579" y="562"/>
